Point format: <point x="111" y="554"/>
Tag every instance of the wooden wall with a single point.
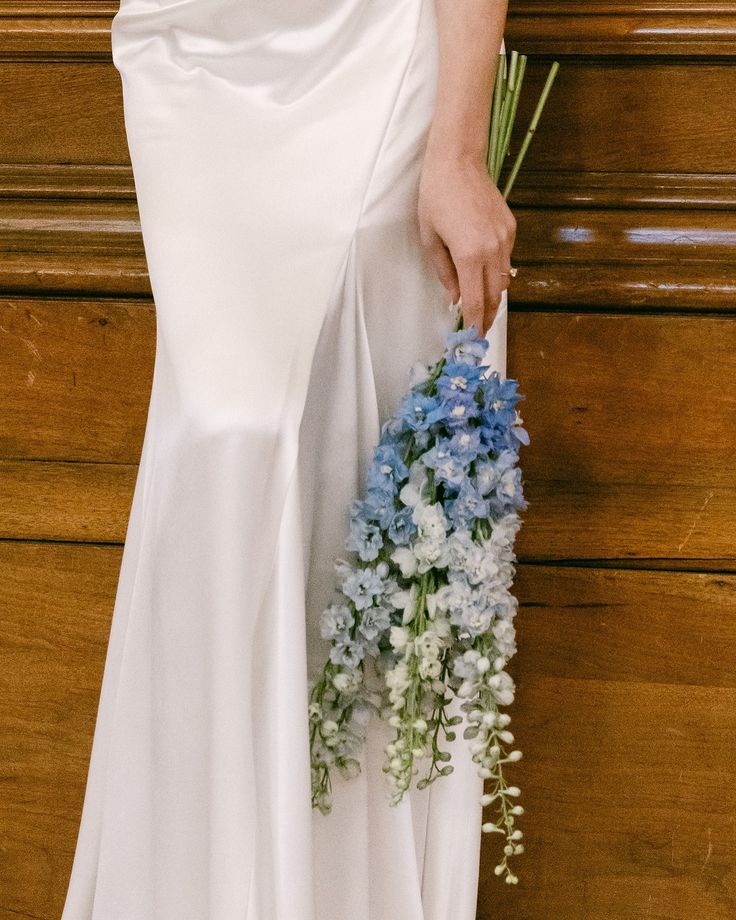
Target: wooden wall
<point x="623" y="338"/>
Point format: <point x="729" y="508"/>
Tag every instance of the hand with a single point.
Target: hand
<point x="468" y="232"/>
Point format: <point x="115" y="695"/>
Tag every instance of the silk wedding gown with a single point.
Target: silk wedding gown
<point x="276" y="148"/>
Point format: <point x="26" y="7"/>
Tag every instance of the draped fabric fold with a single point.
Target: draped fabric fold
<point x="276" y="150"/>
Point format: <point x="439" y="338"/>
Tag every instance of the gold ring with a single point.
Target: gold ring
<point x="513" y="272"/>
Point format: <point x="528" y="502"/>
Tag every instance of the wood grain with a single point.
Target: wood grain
<point x="626" y="713"/>
<point x="55" y="608"/>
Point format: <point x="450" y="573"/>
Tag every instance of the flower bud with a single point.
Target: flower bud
<point x="482" y="665"/>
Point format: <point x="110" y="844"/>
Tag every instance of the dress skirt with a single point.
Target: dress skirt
<point x="276" y="148"/>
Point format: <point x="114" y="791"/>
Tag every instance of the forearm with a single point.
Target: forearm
<point x="470" y="33"/>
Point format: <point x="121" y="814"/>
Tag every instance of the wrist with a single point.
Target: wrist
<point x="456" y="151"/>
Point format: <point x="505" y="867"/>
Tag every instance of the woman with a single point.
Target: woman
<point x="311" y="185"/>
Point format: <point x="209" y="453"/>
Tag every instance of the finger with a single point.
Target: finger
<point x="494" y="285"/>
<point x="439" y="256"/>
<point x="470" y="276"/>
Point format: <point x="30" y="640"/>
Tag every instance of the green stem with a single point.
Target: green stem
<point x="532" y="128"/>
<point x="514" y="105"/>
<point x="495" y="112"/>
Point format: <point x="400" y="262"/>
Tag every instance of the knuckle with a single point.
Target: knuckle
<point x="468" y="257"/>
<point x="473" y="304"/>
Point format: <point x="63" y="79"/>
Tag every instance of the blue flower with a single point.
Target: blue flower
<point x="418" y="411"/>
<point x="365" y="538"/>
<point x="459" y="379"/>
<point x="378" y="507"/>
<point x="459" y="409"/>
<point x="443" y="459"/>
<point x="508" y="492"/>
<point x="402" y="528"/>
<point x="349" y="653"/>
<point x="466" y="445"/>
<point x="468" y="505"/>
<point x="335" y="621"/>
<point x="374" y="621"/>
<point x="499" y="400"/>
<point x="466" y="345"/>
<point x="387" y="469"/>
<point x="362" y="585"/>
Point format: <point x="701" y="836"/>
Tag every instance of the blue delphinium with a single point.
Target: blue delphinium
<point x="427" y="601"/>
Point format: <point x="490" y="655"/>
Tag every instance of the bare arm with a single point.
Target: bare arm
<point x="466" y="227"/>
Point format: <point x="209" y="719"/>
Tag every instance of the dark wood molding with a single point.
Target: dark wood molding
<point x="624" y="189"/>
<point x="48" y="31"/>
<point x="33" y="30"/>
<point x="533" y="187"/>
<point x="604" y="28"/>
<point x="621" y="240"/>
<point x="66" y="180"/>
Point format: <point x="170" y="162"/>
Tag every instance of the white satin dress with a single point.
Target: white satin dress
<point x="276" y="148"/>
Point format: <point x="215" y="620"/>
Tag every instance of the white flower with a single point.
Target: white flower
<point x="346" y="681"/>
<point x="430" y="668"/>
<point x="441" y="625"/>
<point x="406" y="600"/>
<point x="428" y="644"/>
<point x="397" y="680"/>
<point x="404" y="557"/>
<point x="430" y="520"/>
<point x="398" y="637"/>
<point x="418" y="374"/>
<point x="505" y="636"/>
<point x="411" y="493"/>
<point x="430" y="554"/>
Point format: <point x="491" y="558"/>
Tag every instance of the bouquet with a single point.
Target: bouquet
<point x="425" y="611"/>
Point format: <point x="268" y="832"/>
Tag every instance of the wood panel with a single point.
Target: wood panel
<point x="602" y="480"/>
<point x="626" y="713"/>
<point x="61" y="113"/>
<point x="76" y="378"/>
<point x="55" y="606"/>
